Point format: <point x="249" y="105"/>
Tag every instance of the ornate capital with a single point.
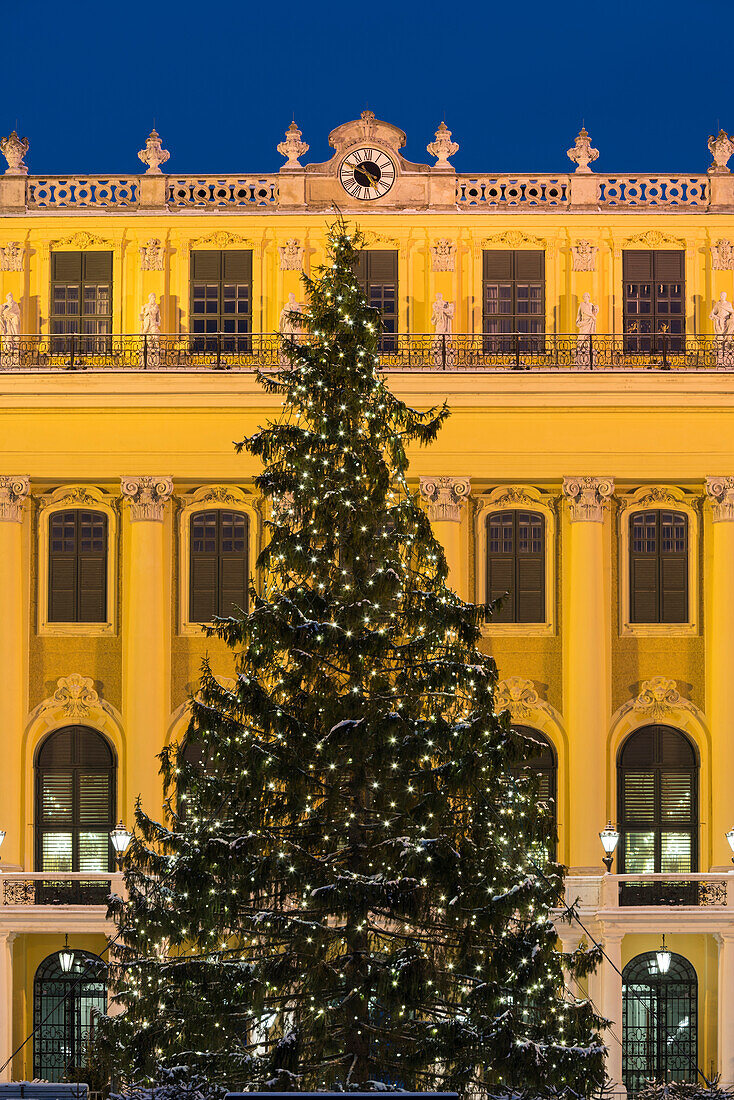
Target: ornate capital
<point x="291" y="255"/>
<point x="720" y="491"/>
<point x="75" y="695"/>
<point x="147" y="496"/>
<point x="444" y="497"/>
<point x="518" y="696"/>
<point x="11" y="257"/>
<point x="14" y="489"/>
<point x="151" y="255"/>
<point x="443" y="255"/>
<point x="587" y="497"/>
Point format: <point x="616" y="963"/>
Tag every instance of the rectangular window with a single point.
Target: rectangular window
<point x="516" y="566"/>
<point x="654" y="300"/>
<point x="77" y="588"/>
<point x="658" y="567"/>
<point x="218" y="578"/>
<point x="377" y="274"/>
<point x="81" y="301"/>
<point x="221" y="300"/>
<point x="513" y="298"/>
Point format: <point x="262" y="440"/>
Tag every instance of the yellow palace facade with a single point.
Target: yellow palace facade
<point x="580" y="326"/>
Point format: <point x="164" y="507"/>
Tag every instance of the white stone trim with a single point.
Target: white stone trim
<point x="523" y="498"/>
<point x="444" y="496"/>
<point x="644" y="499"/>
<point x="60" y="500"/>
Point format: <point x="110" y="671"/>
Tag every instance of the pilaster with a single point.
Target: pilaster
<point x="14" y="582"/>
<point x="586" y="648"/>
<point x="725" y="941"/>
<point x="611" y="1005"/>
<point x="444" y="497"/>
<point x="6" y="1005"/>
<point x="146" y="638"/>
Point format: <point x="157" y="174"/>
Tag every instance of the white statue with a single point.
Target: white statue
<point x="150" y="317"/>
<point x="723" y="317"/>
<point x="291" y="322"/>
<point x="586" y="316"/>
<point x="9" y="332"/>
<point x="442" y="317"/>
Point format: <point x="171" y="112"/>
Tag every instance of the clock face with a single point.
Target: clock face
<point x="367" y="173"/>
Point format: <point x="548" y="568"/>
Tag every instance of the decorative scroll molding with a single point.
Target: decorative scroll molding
<point x="722" y="255"/>
<point x="518" y="696"/>
<point x="657" y="496"/>
<point x="444" y="497"/>
<point x="291" y="255"/>
<point x="74" y="495"/>
<point x="11" y="257"/>
<point x="222" y="239"/>
<point x="443" y="255"/>
<point x="217" y="494"/>
<point x="584" y="256"/>
<point x="370" y="238"/>
<point x="515" y="238"/>
<point x="75" y="695"/>
<point x="147" y="496"/>
<point x="587" y="497"/>
<point x="720" y="491"/>
<point x="82" y="240"/>
<point x="520" y="496"/>
<point x="653" y="238"/>
<point x="151" y="255"/>
<point x="14" y="489"/>
<point x="76" y="699"/>
<point x="656" y="699"/>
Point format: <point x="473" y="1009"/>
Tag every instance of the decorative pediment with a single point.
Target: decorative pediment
<point x="520" y="496"/>
<point x="657" y="699"/>
<point x="653" y="238"/>
<point x="75" y="495"/>
<point x="371" y="238"/>
<point x="515" y="238"/>
<point x="76" y="699"/>
<point x="83" y="240"/>
<point x="520" y="697"/>
<point x="222" y="239"/>
<point x="217" y="494"/>
<point x="658" y="496"/>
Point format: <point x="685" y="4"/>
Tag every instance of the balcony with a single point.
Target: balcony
<point x="475" y="352"/>
<point x="64" y="901"/>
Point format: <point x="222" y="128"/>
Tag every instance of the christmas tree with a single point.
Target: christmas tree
<point x="349" y="888"/>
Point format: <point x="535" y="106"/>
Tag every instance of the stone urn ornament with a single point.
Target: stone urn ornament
<point x="721" y="148"/>
<point x="292" y="148"/>
<point x="582" y="152"/>
<point x="443" y="147"/>
<point x="14" y="149"/>
<point x="154" y="155"/>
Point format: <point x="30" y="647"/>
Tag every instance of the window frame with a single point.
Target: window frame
<point x="87" y="343"/>
<point x="665" y="499"/>
<point x="243" y="338"/>
<point x="82" y="498"/>
<point x="208" y="498"/>
<point x="517" y="498"/>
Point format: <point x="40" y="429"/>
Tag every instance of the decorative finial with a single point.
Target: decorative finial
<point x="721" y="148"/>
<point x="14" y="149"/>
<point x="582" y="152"/>
<point x="292" y="148"/>
<point x="443" y="147"/>
<point x="154" y="155"/>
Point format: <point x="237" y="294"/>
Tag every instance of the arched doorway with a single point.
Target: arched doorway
<point x="659" y="1021"/>
<point x="64" y="1006"/>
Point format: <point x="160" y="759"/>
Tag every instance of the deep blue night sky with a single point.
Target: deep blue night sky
<point x="222" y="80"/>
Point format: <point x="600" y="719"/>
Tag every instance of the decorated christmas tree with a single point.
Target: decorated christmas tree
<point x="352" y="887"/>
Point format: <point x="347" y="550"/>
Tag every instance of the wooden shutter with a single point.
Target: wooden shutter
<point x="92" y="569"/>
<point x="674" y="588"/>
<point x="237" y="267"/>
<point x="669" y="266"/>
<point x="97" y="267"/>
<point x="382" y="267"/>
<point x="203" y="567"/>
<point x="233" y="570"/>
<point x="497" y="265"/>
<point x="501" y="565"/>
<point x="206" y="265"/>
<point x="637" y="266"/>
<point x="62" y="567"/>
<point x="529" y="266"/>
<point x="644" y="577"/>
<point x="66" y="267"/>
<point x="530" y="570"/>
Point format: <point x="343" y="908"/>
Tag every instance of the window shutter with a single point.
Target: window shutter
<point x="62" y="588"/>
<point x="638" y="794"/>
<point x="57" y="799"/>
<point x="236" y="267"/>
<point x="97" y="267"/>
<point x="233" y="582"/>
<point x="382" y="267"/>
<point x="674" y="588"/>
<point x="501" y="582"/>
<point x="205" y="265"/>
<point x="92" y="572"/>
<point x="529" y="266"/>
<point x="66" y="267"/>
<point x="360" y="269"/>
<point x="530" y="588"/>
<point x="204" y="576"/>
<point x="637" y="266"/>
<point x="497" y="265"/>
<point x="643" y="588"/>
<point x="669" y="266"/>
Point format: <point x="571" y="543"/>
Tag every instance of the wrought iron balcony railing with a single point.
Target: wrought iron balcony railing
<point x="462" y="352"/>
<point x="58" y="887"/>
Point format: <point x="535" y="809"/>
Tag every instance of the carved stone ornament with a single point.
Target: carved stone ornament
<point x="722" y="256"/>
<point x="83" y="240"/>
<point x="70" y="495"/>
<point x="721" y="148"/>
<point x="222" y="239"/>
<point x="14" y="149"/>
<point x="444" y="497"/>
<point x="147" y="496"/>
<point x="720" y="491"/>
<point x="75" y="695"/>
<point x="291" y="255"/>
<point x="518" y="696"/>
<point x="14" y="489"/>
<point x="658" y="697"/>
<point x="443" y="255"/>
<point x="217" y="494"/>
<point x="442" y="147"/>
<point x="292" y="148"/>
<point x="584" y="256"/>
<point x="587" y="497"/>
<point x="582" y="152"/>
<point x="154" y="155"/>
<point x="11" y="257"/>
<point x="151" y="255"/>
<point x="653" y="238"/>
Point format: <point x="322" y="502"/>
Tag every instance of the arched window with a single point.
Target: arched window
<point x="516" y="565"/>
<point x="657" y="808"/>
<point x="659" y="1021"/>
<point x="658" y="567"/>
<point x="219" y="564"/>
<point x="64" y="1007"/>
<point x="75" y="808"/>
<point x="77" y="567"/>
<point x="542" y="763"/>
